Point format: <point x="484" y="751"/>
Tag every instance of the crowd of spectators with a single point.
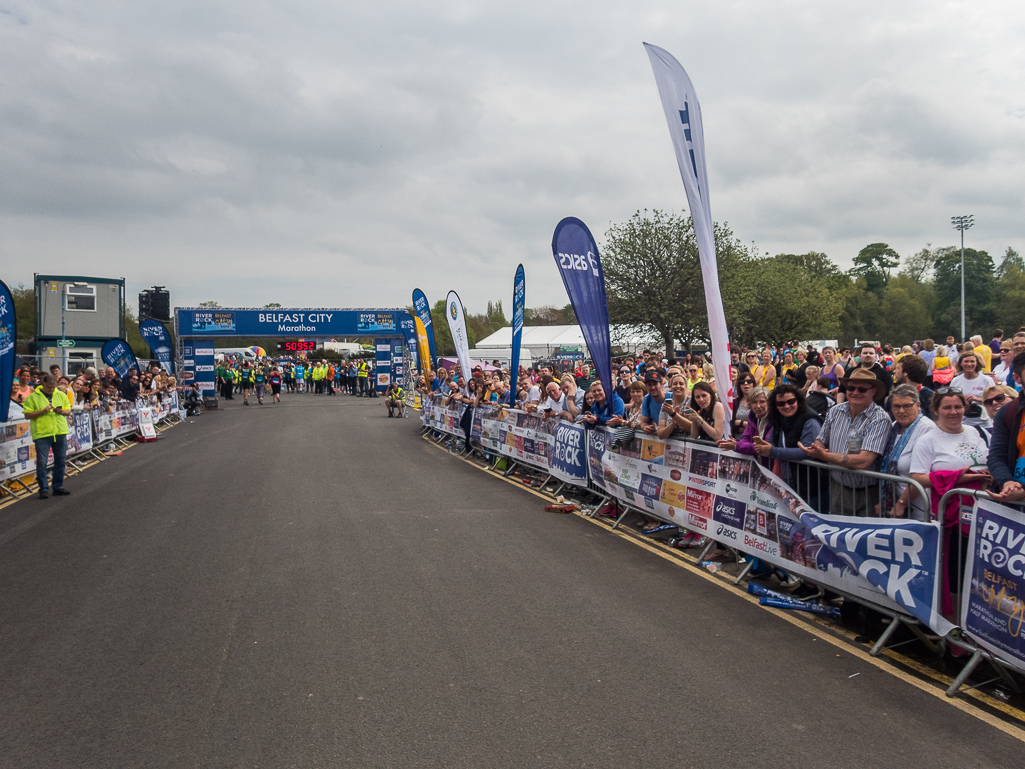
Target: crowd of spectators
<point x="865" y="408"/>
<point x="89" y="390"/>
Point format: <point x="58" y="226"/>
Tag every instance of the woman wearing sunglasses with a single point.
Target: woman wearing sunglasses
<point x="792" y="423"/>
<point x="994" y="398"/>
<point x="741" y="408"/>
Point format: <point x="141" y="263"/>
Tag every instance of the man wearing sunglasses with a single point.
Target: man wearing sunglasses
<point x="853" y="438"/>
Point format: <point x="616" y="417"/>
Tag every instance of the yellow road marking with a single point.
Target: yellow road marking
<point x="1009" y="729"/>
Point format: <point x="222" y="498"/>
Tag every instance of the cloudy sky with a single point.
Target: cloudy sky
<point x="340" y="154"/>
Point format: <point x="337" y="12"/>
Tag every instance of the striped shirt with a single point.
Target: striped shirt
<point x="868" y="431"/>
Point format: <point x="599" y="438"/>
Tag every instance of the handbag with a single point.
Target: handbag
<point x="622" y="436"/>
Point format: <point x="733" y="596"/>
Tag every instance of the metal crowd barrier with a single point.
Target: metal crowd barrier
<point x="962" y="640"/>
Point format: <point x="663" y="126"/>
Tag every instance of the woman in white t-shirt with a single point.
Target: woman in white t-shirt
<point x="972" y="383"/>
<point x="953" y="446"/>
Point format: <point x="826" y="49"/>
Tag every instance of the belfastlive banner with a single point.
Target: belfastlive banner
<point x="993" y="594"/>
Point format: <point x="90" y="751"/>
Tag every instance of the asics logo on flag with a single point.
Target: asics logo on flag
<point x="685" y="119"/>
<point x="579" y="262"/>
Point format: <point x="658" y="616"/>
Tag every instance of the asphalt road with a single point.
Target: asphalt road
<point x="312" y="585"/>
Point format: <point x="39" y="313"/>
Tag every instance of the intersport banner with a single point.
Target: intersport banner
<point x="457" y="325"/>
<point x="8" y="338"/>
<point x="576" y="255"/>
<point x="993" y="595"/>
<point x="423" y="312"/>
<point x="519" y="299"/>
<point x="159" y="341"/>
<point x="119" y="356"/>
<point x="893" y="564"/>
<point x="683" y="114"/>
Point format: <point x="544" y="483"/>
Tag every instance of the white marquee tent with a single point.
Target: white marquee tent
<point x="544" y="341"/>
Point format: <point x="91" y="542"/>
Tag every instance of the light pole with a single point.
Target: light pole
<point x="962" y="223"/>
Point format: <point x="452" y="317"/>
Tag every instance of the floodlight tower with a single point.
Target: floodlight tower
<point x="962" y="223"/>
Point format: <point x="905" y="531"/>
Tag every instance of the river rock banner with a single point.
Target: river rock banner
<point x="993" y="596"/>
<point x="159" y="341"/>
<point x="729" y="497"/>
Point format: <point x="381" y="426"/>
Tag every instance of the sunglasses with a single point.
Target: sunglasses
<point x="785" y="403"/>
<point x="995" y="399"/>
<point x="949" y="391"/>
<point x="859" y="389"/>
<point x="624" y="371"/>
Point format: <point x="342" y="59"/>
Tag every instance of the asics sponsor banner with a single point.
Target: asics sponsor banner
<point x="423" y="312"/>
<point x="119" y="356"/>
<point x="115" y="420"/>
<point x="683" y="113"/>
<point x="457" y="325"/>
<point x="526" y="438"/>
<point x="159" y="342"/>
<point x="576" y="256"/>
<point x="8" y="337"/>
<point x="993" y="595"/>
<point x="519" y="298"/>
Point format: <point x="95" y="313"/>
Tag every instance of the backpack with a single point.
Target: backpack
<point x="942" y="376"/>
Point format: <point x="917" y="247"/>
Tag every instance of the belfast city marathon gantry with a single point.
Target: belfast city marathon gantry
<point x="197" y="328"/>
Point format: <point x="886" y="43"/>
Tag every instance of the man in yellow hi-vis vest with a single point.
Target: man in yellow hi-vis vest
<point x="362" y="378"/>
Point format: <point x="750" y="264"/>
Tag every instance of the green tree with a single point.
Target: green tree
<point x="1009" y="294"/>
<point x="653" y="274"/>
<point x="980" y="286"/>
<point x="25" y="316"/>
<point x="874" y="263"/>
<point x="905" y="312"/>
<point x="209" y="305"/>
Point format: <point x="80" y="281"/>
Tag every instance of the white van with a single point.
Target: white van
<point x="244" y="352"/>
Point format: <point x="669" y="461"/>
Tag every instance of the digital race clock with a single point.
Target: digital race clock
<point x="297" y="345"/>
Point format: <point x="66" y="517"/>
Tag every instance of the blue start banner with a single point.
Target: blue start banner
<point x="119" y="356"/>
<point x="901" y="558"/>
<point x="423" y="312"/>
<point x="207" y="322"/>
<point x="519" y="297"/>
<point x="576" y="255"/>
<point x="8" y="337"/>
<point x="993" y="596"/>
<point x="159" y="342"/>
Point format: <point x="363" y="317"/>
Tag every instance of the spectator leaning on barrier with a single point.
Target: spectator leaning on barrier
<point x="707" y="416"/>
<point x="1007" y="443"/>
<point x="793" y="423"/>
<point x="651" y="409"/>
<point x="603" y="408"/>
<point x="853" y="437"/>
<point x="757" y="426"/>
<point x="574" y="397"/>
<point x="909" y="427"/>
<point x="47" y="409"/>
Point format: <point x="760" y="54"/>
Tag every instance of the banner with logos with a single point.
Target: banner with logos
<point x="8" y="337"/>
<point x="423" y="311"/>
<point x="119" y="356"/>
<point x="683" y="114"/>
<point x="519" y="300"/>
<point x="576" y="256"/>
<point x="993" y="594"/>
<point x="159" y="342"/>
<point x="441" y="417"/>
<point x="567" y="455"/>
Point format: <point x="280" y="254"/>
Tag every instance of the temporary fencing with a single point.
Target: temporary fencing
<point x="984" y="556"/>
<point x="895" y="566"/>
<point x="90" y="435"/>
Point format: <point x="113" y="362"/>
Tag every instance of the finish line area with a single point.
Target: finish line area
<point x="314" y="584"/>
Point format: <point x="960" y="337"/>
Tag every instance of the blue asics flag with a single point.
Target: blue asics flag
<point x="423" y="312"/>
<point x="119" y="356"/>
<point x="519" y="297"/>
<point x="159" y="342"/>
<point x="577" y="258"/>
<point x="8" y="337"/>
